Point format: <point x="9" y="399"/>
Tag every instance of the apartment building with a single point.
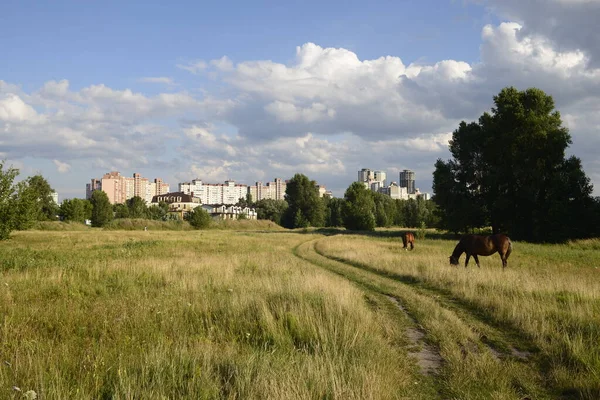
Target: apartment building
<point x="215" y="193"/>
<point x="271" y="190"/>
<point x="119" y="188"/>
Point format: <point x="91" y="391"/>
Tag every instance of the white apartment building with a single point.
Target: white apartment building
<point x="215" y="193"/>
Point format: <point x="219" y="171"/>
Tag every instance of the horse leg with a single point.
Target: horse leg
<point x="504" y="258"/>
<point x="476" y="260"/>
<point x="412" y="245"/>
<point x="467" y="260"/>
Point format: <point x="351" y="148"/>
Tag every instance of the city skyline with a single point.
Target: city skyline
<point x="250" y="92"/>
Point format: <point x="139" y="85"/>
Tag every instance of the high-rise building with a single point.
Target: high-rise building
<point x="271" y="190"/>
<point x="119" y="188"/>
<point x="379" y="176"/>
<point x="366" y="175"/>
<point x="407" y="180"/>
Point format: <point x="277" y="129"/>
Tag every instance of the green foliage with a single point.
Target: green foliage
<point x="102" y="212"/>
<point x="25" y="206"/>
<point x="422" y="231"/>
<point x="509" y="171"/>
<point x="385" y="210"/>
<point x="305" y="205"/>
<point x="7" y="190"/>
<point x="358" y="208"/>
<point x="198" y="218"/>
<point x="333" y="211"/>
<point x="75" y="210"/>
<point x="137" y="207"/>
<point x="45" y="207"/>
<point x="121" y="210"/>
<point x="158" y="212"/>
<point x="270" y="209"/>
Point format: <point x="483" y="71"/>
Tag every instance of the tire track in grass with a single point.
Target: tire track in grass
<point x="427" y="357"/>
<point x="502" y="340"/>
<point x="472" y="368"/>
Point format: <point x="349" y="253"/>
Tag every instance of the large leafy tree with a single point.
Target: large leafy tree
<point x="75" y="210"/>
<point x="7" y="191"/>
<point x="358" y="208"/>
<point x="137" y="207"/>
<point x="509" y="171"/>
<point x="102" y="212"/>
<point x="158" y="211"/>
<point x="333" y="211"/>
<point x="271" y="209"/>
<point x="198" y="218"/>
<point x="45" y="207"/>
<point x="305" y="207"/>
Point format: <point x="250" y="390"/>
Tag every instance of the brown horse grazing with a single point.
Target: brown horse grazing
<point x="475" y="245"/>
<point x="408" y="238"/>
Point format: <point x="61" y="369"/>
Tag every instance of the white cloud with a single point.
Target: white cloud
<point x="61" y="166"/>
<point x="195" y="67"/>
<point x="157" y="79"/>
<point x="14" y="109"/>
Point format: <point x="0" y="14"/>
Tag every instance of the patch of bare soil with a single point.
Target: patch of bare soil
<point x="427" y="357"/>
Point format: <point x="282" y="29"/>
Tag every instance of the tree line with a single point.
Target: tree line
<point x="359" y="209"/>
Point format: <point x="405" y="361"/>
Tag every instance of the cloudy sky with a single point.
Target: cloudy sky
<point x="251" y="91"/>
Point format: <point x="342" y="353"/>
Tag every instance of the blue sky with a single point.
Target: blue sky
<point x="87" y="87"/>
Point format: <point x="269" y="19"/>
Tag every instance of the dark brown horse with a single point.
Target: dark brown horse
<point x="408" y="238"/>
<point x="475" y="245"/>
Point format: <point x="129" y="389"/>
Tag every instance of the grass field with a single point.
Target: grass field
<point x="261" y="312"/>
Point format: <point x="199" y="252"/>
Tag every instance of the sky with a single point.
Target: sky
<point x="251" y="91"/>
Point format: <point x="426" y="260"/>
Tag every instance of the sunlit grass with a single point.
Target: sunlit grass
<point x="198" y="314"/>
<point x="550" y="293"/>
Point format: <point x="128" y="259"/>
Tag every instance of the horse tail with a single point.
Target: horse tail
<point x="510" y="247"/>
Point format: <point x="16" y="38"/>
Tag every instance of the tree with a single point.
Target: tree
<point x="385" y="209"/>
<point x="25" y="204"/>
<point x="102" y="212"/>
<point x="7" y="191"/>
<point x="45" y="207"/>
<point x="198" y="218"/>
<point x="158" y="211"/>
<point x="333" y="211"/>
<point x="271" y="209"/>
<point x="137" y="207"/>
<point x="121" y="210"/>
<point x="509" y="171"/>
<point x="304" y="204"/>
<point x="358" y="208"/>
<point x="75" y="210"/>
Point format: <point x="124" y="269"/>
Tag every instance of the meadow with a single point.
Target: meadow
<point x="251" y="311"/>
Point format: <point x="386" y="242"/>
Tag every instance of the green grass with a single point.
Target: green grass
<point x="199" y="314"/>
<point x="252" y="311"/>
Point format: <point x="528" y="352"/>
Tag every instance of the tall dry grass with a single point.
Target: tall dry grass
<point x="549" y="293"/>
<point x="198" y="314"/>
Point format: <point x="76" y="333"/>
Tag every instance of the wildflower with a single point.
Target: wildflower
<point x="30" y="395"/>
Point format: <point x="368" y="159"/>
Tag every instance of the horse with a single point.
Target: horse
<point x="476" y="245"/>
<point x="408" y="238"/>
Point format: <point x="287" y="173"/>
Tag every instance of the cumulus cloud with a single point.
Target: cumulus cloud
<point x="568" y="24"/>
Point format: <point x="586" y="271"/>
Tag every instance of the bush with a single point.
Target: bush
<point x="198" y="218"/>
